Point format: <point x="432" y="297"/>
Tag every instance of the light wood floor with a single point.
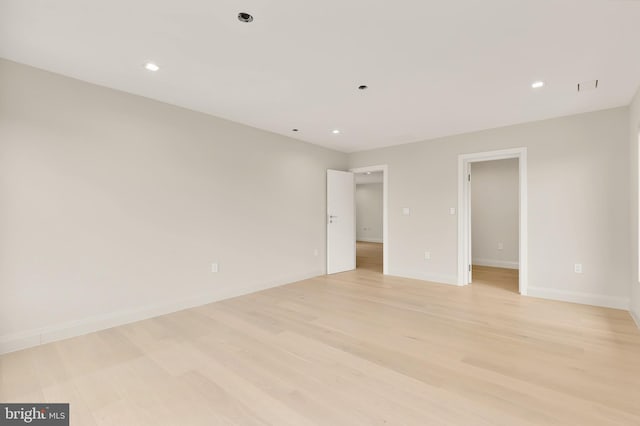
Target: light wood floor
<point x="348" y="349"/>
<point x="369" y="256"/>
<point x="505" y="279"/>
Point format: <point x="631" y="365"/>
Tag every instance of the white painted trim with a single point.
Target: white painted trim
<point x="428" y="278"/>
<point x="385" y="209"/>
<point x="370" y="240"/>
<point x="35" y="337"/>
<point x="635" y="317"/>
<point x="509" y="264"/>
<point x="578" y="297"/>
<point x="463" y="210"/>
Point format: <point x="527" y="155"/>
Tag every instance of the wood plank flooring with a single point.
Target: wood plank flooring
<point x="355" y="348"/>
<point x="506" y="279"/>
<point x="369" y="256"/>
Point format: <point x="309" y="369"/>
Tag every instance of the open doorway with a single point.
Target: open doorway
<point x="369" y="212"/>
<point x="494" y="244"/>
<point x="371" y="218"/>
<point x="494" y="187"/>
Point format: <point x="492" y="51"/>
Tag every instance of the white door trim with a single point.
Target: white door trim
<point x="464" y="237"/>
<point x="385" y="210"/>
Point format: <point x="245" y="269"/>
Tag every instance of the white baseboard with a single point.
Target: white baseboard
<point x="23" y="340"/>
<point x="497" y="263"/>
<point x="582" y="298"/>
<point x="434" y="278"/>
<point x="370" y="240"/>
<point x="635" y="317"/>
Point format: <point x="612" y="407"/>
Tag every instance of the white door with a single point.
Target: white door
<point x="341" y="222"/>
<point x="470" y="243"/>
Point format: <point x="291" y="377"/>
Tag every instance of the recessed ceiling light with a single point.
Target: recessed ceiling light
<point x="363" y="87"/>
<point x="151" y="66"/>
<point x="537" y="84"/>
<point x="368" y="173"/>
<point x="294" y="130"/>
<point x="245" y="17"/>
<point x="335" y="132"/>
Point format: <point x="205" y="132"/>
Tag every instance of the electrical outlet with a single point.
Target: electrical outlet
<point x="427" y="255"/>
<point x="316" y="252"/>
<point x="577" y="268"/>
<point x="214" y="267"/>
<point x="500" y="246"/>
<point x="406" y="211"/>
<point x="452" y="211"/>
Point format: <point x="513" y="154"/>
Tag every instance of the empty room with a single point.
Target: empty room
<point x="319" y="213"/>
<point x="494" y="193"/>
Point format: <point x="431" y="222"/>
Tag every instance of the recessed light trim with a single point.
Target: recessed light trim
<point x="537" y="84"/>
<point x="245" y="17"/>
<point x="294" y="130"/>
<point x="363" y="87"/>
<point x="335" y="131"/>
<point x="150" y="66"/>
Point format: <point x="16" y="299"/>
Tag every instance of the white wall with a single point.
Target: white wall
<point x="634" y="130"/>
<point x="578" y="171"/>
<point x="494" y="213"/>
<point x="115" y="206"/>
<point x="369" y="212"/>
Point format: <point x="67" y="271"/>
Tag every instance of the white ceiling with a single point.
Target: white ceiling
<point x="434" y="68"/>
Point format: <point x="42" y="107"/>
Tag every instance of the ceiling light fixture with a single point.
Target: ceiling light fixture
<point x="245" y="17"/>
<point x="294" y="130"/>
<point x="363" y="87"/>
<point x="150" y="66"/>
<point x="537" y="84"/>
<point x="368" y="173"/>
<point x="335" y="132"/>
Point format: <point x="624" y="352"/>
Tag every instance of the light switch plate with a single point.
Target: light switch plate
<point x="406" y="211"/>
<point x="577" y="268"/>
<point x="452" y="211"/>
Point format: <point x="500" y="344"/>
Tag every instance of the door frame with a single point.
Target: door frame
<point x="385" y="210"/>
<point x="464" y="213"/>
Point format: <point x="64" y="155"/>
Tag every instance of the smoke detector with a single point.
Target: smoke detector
<point x="587" y="85"/>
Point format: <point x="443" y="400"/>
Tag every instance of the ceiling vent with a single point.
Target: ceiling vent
<point x="585" y="86"/>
